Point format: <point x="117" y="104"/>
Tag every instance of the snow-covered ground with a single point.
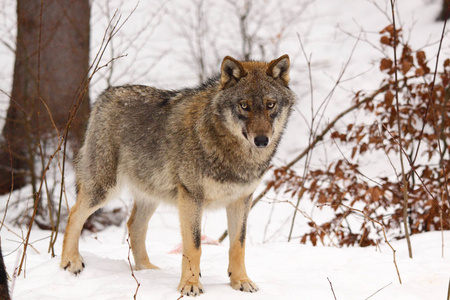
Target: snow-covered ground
<point x="282" y="270"/>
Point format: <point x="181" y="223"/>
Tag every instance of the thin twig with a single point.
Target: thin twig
<point x="332" y="290"/>
<point x="192" y="275"/>
<point x="404" y="182"/>
<point x="131" y="268"/>
<point x="448" y="291"/>
<point x="438" y="131"/>
<point x="379" y="290"/>
<point x="430" y="92"/>
<point x="310" y="138"/>
<point x="20" y="237"/>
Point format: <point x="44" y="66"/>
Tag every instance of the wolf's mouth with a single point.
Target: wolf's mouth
<point x="244" y="134"/>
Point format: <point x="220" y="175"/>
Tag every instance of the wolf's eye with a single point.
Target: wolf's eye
<point x="243" y="105"/>
<point x="270" y="104"/>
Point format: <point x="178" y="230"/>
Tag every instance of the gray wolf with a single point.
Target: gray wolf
<point x="196" y="148"/>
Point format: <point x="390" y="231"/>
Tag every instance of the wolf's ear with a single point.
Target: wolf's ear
<point x="231" y="72"/>
<point x="279" y="69"/>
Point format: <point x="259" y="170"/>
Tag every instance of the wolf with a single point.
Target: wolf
<point x="195" y="148"/>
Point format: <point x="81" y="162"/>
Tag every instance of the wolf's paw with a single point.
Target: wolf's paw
<point x="244" y="285"/>
<point x="191" y="289"/>
<point x="73" y="264"/>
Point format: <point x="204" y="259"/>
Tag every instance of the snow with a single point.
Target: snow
<point x="281" y="270"/>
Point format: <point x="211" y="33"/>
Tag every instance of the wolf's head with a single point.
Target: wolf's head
<point x="255" y="100"/>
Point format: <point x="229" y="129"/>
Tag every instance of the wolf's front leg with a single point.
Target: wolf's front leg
<point x="190" y="210"/>
<point x="237" y="214"/>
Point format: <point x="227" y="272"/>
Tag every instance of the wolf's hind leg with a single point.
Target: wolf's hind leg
<point x="71" y="259"/>
<point x="237" y="214"/>
<point x="137" y="229"/>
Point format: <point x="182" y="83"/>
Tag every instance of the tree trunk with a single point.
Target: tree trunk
<point x="4" y="291"/>
<point x="52" y="61"/>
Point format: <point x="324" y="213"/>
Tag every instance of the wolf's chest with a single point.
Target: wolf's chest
<point x="218" y="194"/>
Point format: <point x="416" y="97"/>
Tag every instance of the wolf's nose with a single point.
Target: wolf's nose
<point x="261" y="141"/>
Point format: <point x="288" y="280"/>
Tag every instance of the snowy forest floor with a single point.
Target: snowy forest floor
<point x="281" y="270"/>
